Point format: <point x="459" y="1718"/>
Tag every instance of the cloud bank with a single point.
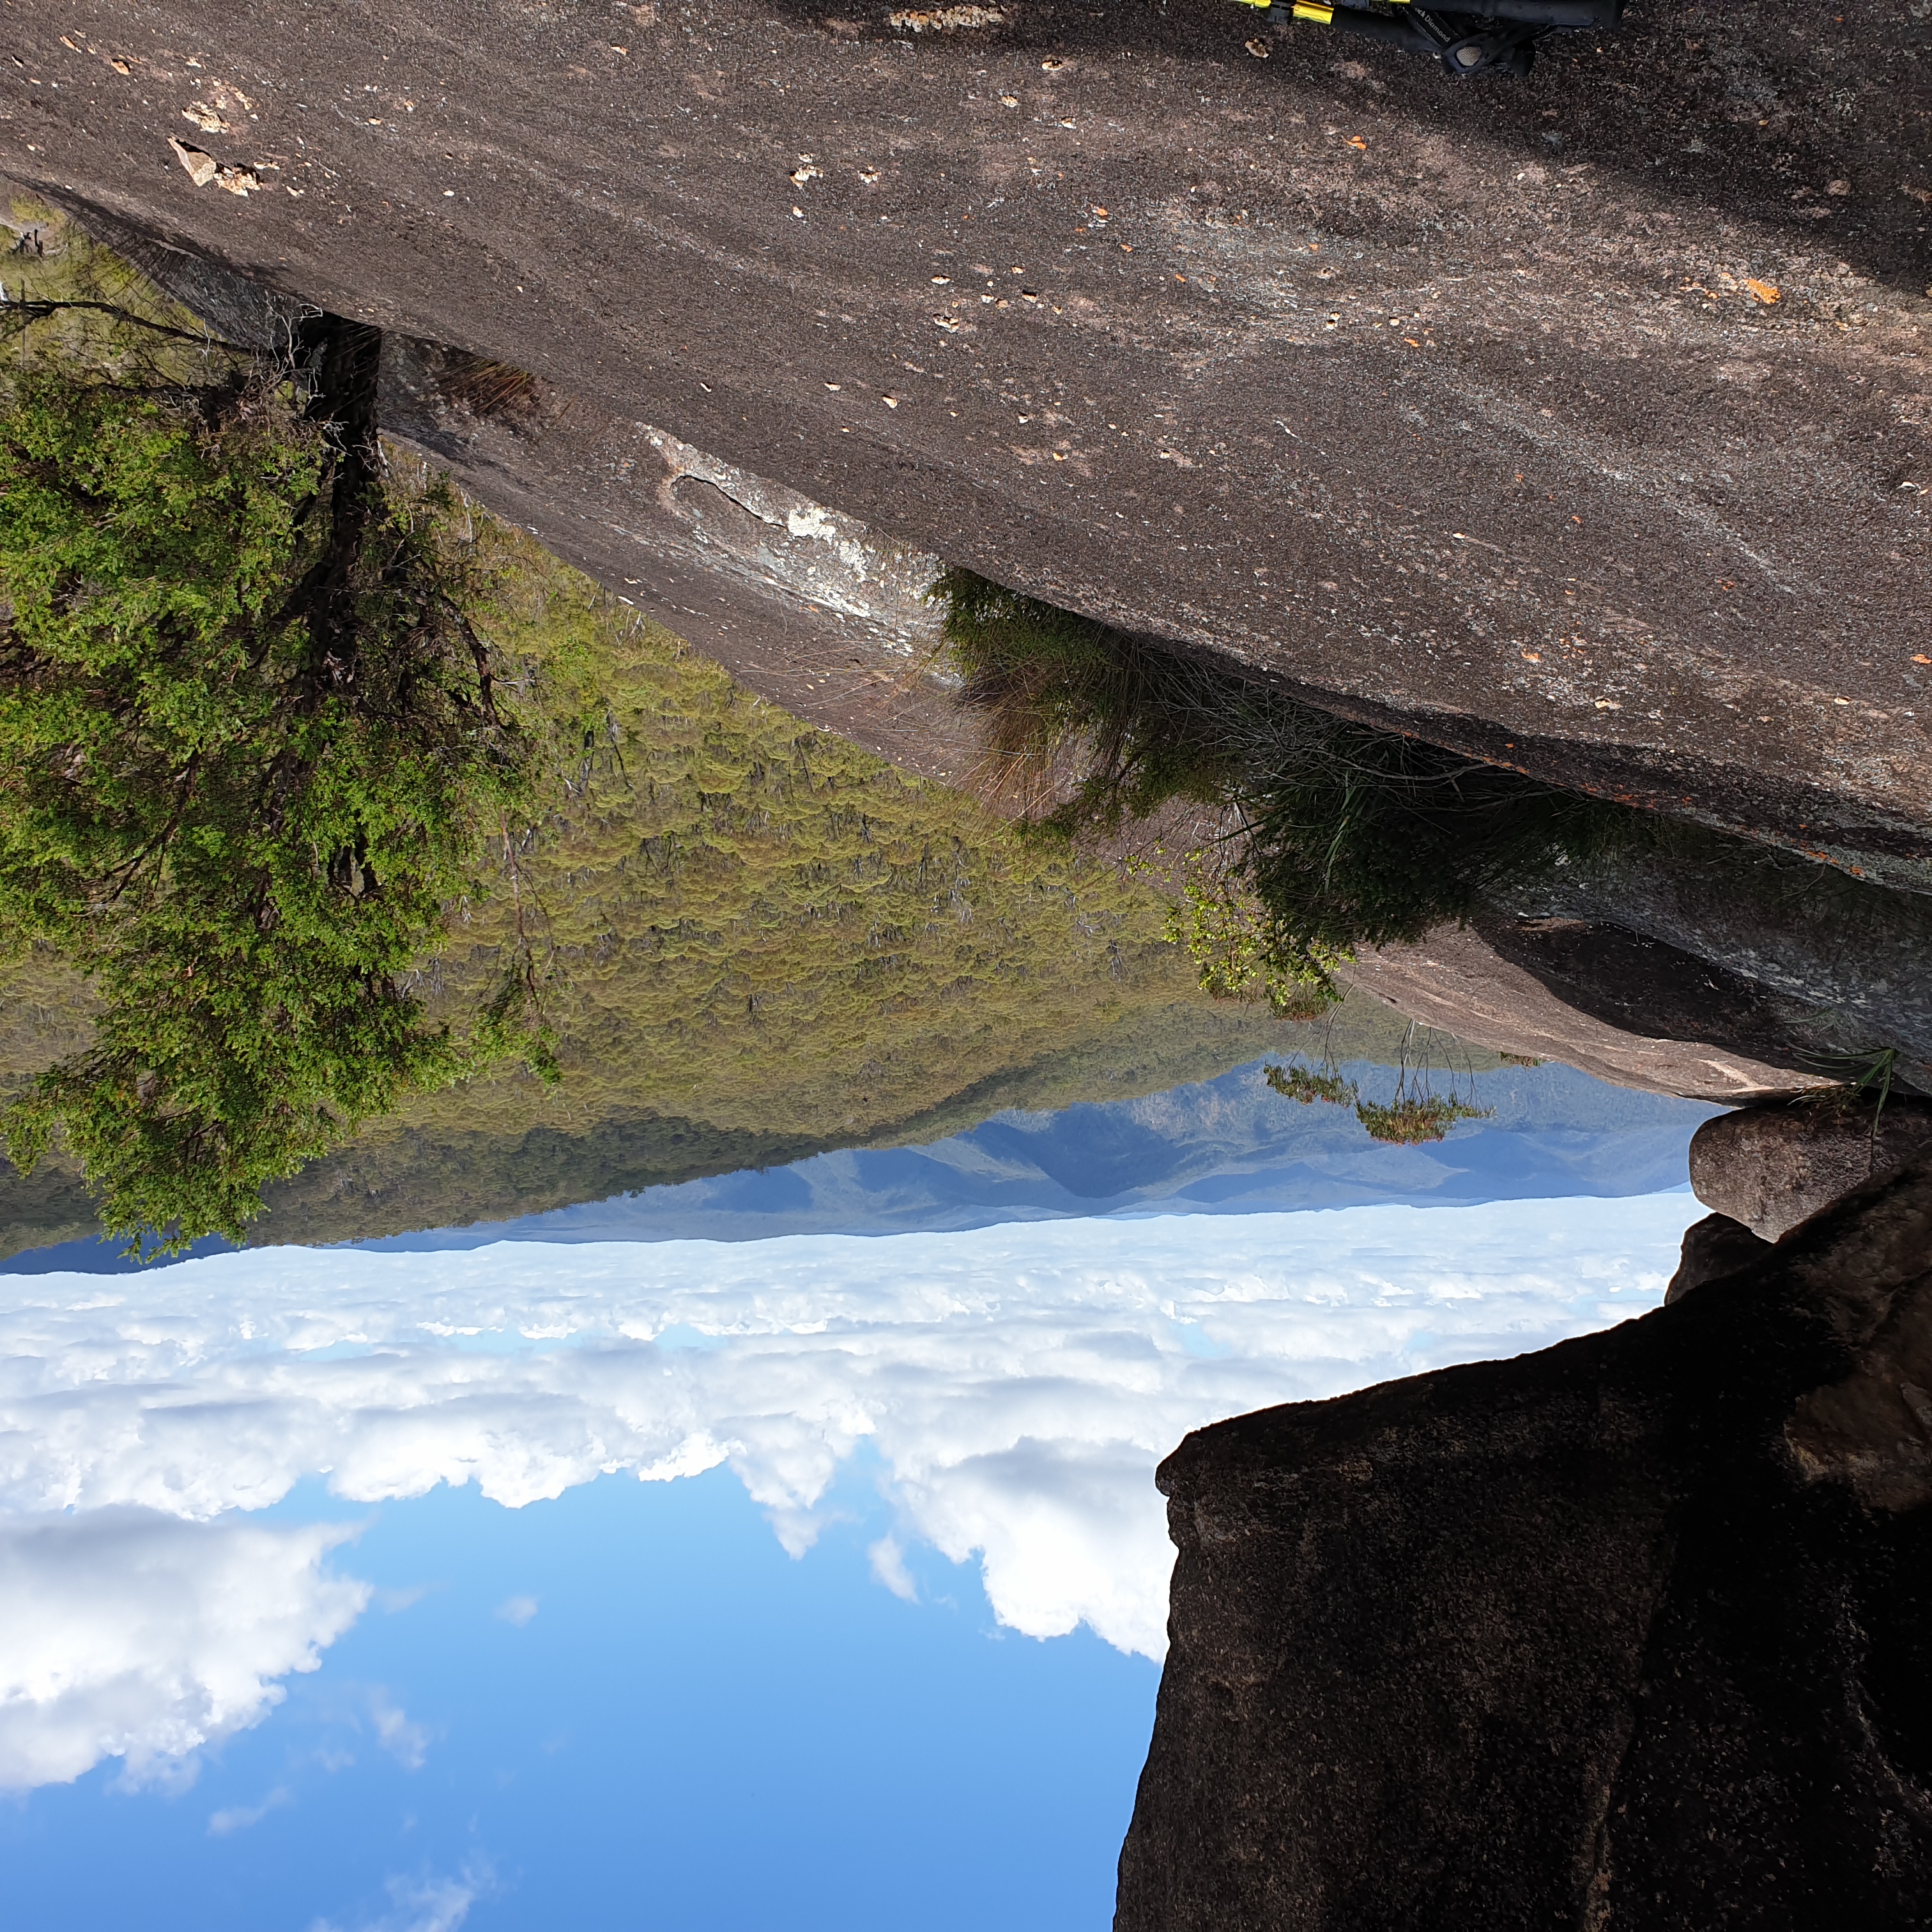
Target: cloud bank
<point x="1015" y="1385"/>
<point x="127" y="1634"/>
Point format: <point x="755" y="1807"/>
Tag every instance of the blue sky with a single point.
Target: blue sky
<point x="629" y="1708"/>
<point x="333" y="1599"/>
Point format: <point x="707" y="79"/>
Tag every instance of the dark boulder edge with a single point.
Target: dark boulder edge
<point x="1713" y="1248"/>
<point x="1635" y="1631"/>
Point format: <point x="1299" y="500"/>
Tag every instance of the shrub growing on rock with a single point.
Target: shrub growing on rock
<point x="1339" y="835"/>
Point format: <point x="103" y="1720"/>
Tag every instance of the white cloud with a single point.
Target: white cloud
<point x="239" y="1817"/>
<point x="407" y="1743"/>
<point x="1016" y="1386"/>
<point x="518" y="1610"/>
<point x="888" y="1566"/>
<point x="127" y="1634"/>
<point x="1066" y="1534"/>
<point x="424" y="1905"/>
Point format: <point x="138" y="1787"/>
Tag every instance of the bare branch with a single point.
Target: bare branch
<point x="40" y="311"/>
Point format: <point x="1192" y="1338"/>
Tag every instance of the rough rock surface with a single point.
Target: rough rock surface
<point x="747" y="573"/>
<point x="1773" y="1167"/>
<point x="1823" y="963"/>
<point x="1580" y="422"/>
<point x="1714" y="1247"/>
<point x="809" y="608"/>
<point x="1456" y="979"/>
<point x="1635" y="1632"/>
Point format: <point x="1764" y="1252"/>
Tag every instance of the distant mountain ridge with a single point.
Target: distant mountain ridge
<point x="1228" y="1145"/>
<point x="444" y="1173"/>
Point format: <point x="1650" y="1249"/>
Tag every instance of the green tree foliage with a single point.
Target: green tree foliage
<point x="1306" y="1084"/>
<point x="251" y="747"/>
<point x="1119" y="726"/>
<point x="1239" y="946"/>
<point x="1335" y="835"/>
<point x="1359" y="837"/>
<point x="1413" y="1115"/>
<point x="1413" y="1119"/>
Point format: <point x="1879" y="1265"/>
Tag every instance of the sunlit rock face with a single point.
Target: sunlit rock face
<point x="1014" y="1387"/>
<point x="1771" y="1167"/>
<point x="1632" y="1632"/>
<point x="1577" y="422"/>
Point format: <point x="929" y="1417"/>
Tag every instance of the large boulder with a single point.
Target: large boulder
<point x="1570" y="422"/>
<point x="1456" y="980"/>
<point x="1713" y="1248"/>
<point x="1633" y="1632"/>
<point x="1772" y="1167"/>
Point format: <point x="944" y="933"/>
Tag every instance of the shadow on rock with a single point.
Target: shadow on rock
<point x="1634" y="1632"/>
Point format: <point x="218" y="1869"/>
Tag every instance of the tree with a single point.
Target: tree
<point x="1414" y="1115"/>
<point x="252" y="748"/>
